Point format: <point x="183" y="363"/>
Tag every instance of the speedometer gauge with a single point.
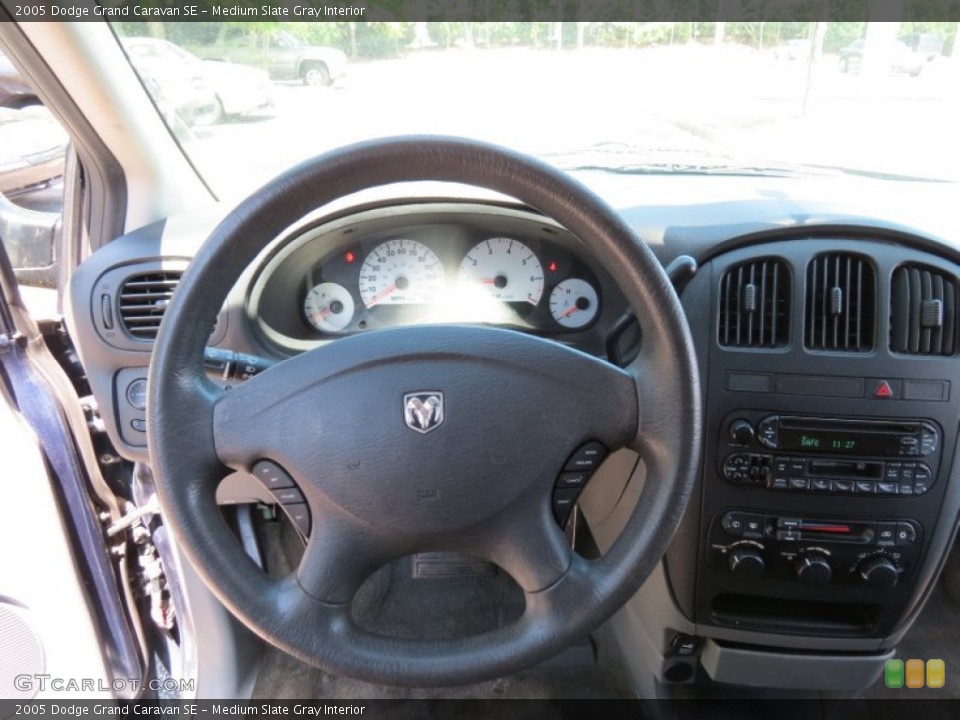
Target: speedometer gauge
<point x="329" y="307"/>
<point x="400" y="272"/>
<point x="508" y="268"/>
<point x="574" y="303"/>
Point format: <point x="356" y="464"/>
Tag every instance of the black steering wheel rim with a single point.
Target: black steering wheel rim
<point x="304" y="616"/>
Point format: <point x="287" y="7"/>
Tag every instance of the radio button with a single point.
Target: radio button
<point x="842" y="486"/>
<point x="909" y="446"/>
<point x="737" y="467"/>
<point x="888" y="488"/>
<point x="768" y="431"/>
<point x="820" y="485"/>
<point x="906" y="534"/>
<point x="780" y="467"/>
<point x="799" y="483"/>
<point x="779" y="484"/>
<point x="741" y="432"/>
<point x="892" y="473"/>
<point x="865" y="487"/>
<point x="798" y="468"/>
<point x="908" y="472"/>
<point x="928" y="439"/>
<point x="906" y="489"/>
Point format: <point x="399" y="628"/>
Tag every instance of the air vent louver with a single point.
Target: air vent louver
<point x="923" y="311"/>
<point x="143" y="300"/>
<point x="755" y="305"/>
<point x="841" y="302"/>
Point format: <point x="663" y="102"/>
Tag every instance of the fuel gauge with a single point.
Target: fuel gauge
<point x="329" y="307"/>
<point x="574" y="303"/>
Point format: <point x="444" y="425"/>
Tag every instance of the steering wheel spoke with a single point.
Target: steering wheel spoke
<point x="341" y="553"/>
<point x="528" y="544"/>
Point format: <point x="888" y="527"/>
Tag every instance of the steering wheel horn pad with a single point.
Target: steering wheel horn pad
<point x="477" y="481"/>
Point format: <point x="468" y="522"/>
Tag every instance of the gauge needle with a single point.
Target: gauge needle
<point x="569" y="311"/>
<point x="382" y="294"/>
<point x="321" y="314"/>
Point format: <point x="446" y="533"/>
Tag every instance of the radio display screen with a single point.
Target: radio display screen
<point x="837" y="442"/>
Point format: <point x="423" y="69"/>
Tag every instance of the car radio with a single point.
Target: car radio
<point x="801" y="454"/>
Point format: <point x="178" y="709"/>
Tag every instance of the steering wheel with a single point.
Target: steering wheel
<point x="515" y="407"/>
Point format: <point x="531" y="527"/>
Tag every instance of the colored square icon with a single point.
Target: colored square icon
<point x="914" y="674"/>
<point x="936" y="673"/>
<point x="893" y="673"/>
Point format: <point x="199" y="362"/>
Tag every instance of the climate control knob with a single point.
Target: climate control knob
<point x="878" y="572"/>
<point x="741" y="432"/>
<point x="746" y="562"/>
<point x="813" y="568"/>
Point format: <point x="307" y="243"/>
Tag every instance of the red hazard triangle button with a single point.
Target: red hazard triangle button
<point x="883" y="390"/>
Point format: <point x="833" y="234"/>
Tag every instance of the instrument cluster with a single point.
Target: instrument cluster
<point x="398" y="266"/>
<point x="401" y="280"/>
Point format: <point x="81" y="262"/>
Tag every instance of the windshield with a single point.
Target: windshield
<point x="776" y="98"/>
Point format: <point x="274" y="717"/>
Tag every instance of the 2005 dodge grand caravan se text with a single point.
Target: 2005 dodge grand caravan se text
<point x="530" y="360"/>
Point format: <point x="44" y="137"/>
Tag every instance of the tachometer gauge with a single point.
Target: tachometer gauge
<point x="329" y="307"/>
<point x="400" y="272"/>
<point x="574" y="303"/>
<point x="507" y="268"/>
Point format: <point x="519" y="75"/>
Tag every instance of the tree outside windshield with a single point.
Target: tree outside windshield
<point x="879" y="98"/>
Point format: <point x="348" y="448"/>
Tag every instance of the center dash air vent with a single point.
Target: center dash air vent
<point x="755" y="305"/>
<point x="143" y="300"/>
<point x="840" y="303"/>
<point x="923" y="311"/>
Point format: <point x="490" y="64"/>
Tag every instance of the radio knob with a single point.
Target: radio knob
<point x="741" y="432"/>
<point x="814" y="568"/>
<point x="878" y="572"/>
<point x="746" y="562"/>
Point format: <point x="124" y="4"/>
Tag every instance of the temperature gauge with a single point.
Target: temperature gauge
<point x="329" y="307"/>
<point x="574" y="303"/>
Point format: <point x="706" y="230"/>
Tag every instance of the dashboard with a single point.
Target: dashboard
<point x="827" y="339"/>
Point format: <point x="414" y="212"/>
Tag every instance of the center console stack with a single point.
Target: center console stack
<point x="823" y="507"/>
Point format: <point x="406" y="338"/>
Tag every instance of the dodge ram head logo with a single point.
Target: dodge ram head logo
<point x="423" y="411"/>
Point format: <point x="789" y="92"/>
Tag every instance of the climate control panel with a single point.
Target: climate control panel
<point x="815" y="551"/>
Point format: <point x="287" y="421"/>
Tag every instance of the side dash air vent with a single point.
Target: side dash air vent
<point x="840" y="303"/>
<point x="755" y="305"/>
<point x="923" y="311"/>
<point x="143" y="300"/>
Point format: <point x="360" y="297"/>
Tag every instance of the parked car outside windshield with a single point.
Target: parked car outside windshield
<point x="199" y="91"/>
<point x="281" y="54"/>
<point x="687" y="98"/>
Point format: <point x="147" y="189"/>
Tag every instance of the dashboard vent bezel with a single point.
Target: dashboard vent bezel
<point x="923" y="311"/>
<point x="143" y="299"/>
<point x="754" y="305"/>
<point x="840" y="303"/>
